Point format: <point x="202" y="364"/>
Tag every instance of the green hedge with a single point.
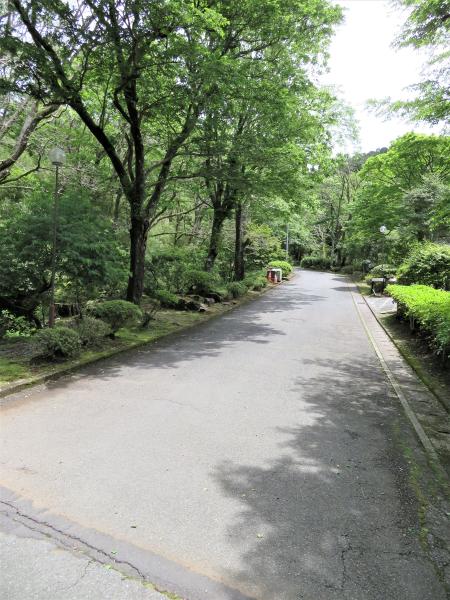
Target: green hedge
<point x="430" y="309"/>
<point x="427" y="264"/>
<point x="285" y="267"/>
<point x="315" y="262"/>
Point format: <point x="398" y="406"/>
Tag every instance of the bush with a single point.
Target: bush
<point x="237" y="289"/>
<point x="91" y="331"/>
<point x="315" y="262"/>
<point x="57" y="343"/>
<point x="255" y="281"/>
<point x="383" y="270"/>
<point x="286" y="267"/>
<point x="166" y="298"/>
<point x="429" y="308"/>
<point x="12" y="326"/>
<point x="347" y="269"/>
<point x="427" y="264"/>
<point x="166" y="268"/>
<point x="117" y="313"/>
<point x="201" y="282"/>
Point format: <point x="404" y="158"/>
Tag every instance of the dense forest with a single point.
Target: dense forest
<point x="194" y="147"/>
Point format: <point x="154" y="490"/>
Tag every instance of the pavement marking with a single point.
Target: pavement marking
<point x="425" y="440"/>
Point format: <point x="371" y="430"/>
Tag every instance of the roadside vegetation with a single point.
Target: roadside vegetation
<point x="157" y="158"/>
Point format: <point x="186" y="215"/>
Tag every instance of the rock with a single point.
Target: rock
<point x="191" y="304"/>
<point x="210" y="301"/>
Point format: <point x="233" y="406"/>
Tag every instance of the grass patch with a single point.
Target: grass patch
<point x="11" y="370"/>
<point x="16" y="363"/>
<point x="363" y="287"/>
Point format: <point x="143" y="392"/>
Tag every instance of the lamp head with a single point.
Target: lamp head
<point x="57" y="156"/>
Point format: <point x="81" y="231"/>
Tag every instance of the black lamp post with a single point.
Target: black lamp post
<point x="57" y="157"/>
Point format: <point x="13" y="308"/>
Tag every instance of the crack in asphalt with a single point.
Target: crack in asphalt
<point x="66" y="535"/>
<point x="79" y="578"/>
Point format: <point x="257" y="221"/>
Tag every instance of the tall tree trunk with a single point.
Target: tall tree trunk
<point x="239" y="246"/>
<point x="138" y="243"/>
<point x="214" y="240"/>
<point x="116" y="208"/>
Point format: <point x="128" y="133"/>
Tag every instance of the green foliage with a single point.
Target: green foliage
<point x="430" y="308"/>
<point x="201" y="282"/>
<point x="262" y="245"/>
<point x="12" y="326"/>
<point x="116" y="313"/>
<point x="90" y="259"/>
<point x="166" y="268"/>
<point x="91" y="331"/>
<point x="427" y="264"/>
<point x="256" y="281"/>
<point x="166" y="299"/>
<point x="320" y="263"/>
<point x="426" y="27"/>
<point x="286" y="267"/>
<point x="405" y="189"/>
<point x="237" y="289"/>
<point x="381" y="271"/>
<point x="348" y="269"/>
<point x="58" y="343"/>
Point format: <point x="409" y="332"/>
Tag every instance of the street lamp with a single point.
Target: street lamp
<point x="57" y="157"/>
<point x="384" y="231"/>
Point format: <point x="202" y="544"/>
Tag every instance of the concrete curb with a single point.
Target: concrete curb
<point x="410" y="414"/>
<point x="21" y="384"/>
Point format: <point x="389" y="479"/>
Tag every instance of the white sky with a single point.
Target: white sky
<point x="363" y="65"/>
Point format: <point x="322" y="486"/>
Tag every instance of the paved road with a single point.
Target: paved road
<point x="250" y="457"/>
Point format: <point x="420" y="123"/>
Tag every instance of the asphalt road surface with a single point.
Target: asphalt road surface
<point x="250" y="457"/>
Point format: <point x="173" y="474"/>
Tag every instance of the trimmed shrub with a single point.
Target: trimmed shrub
<point x="201" y="282"/>
<point x="315" y="262"/>
<point x="237" y="289"/>
<point x="286" y="267"/>
<point x="166" y="298"/>
<point x="117" y="313"/>
<point x="427" y="264"/>
<point x="59" y="343"/>
<point x="91" y="331"/>
<point x="384" y="270"/>
<point x="429" y="308"/>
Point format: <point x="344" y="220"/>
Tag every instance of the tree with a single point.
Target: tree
<point x="90" y="259"/>
<point x="427" y="26"/>
<point x="391" y="193"/>
<point x="154" y="65"/>
<point x="18" y="121"/>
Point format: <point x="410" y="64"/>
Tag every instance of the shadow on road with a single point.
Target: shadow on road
<point x="325" y="519"/>
<point x="245" y="323"/>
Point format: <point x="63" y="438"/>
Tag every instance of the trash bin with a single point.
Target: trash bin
<point x="274" y="275"/>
